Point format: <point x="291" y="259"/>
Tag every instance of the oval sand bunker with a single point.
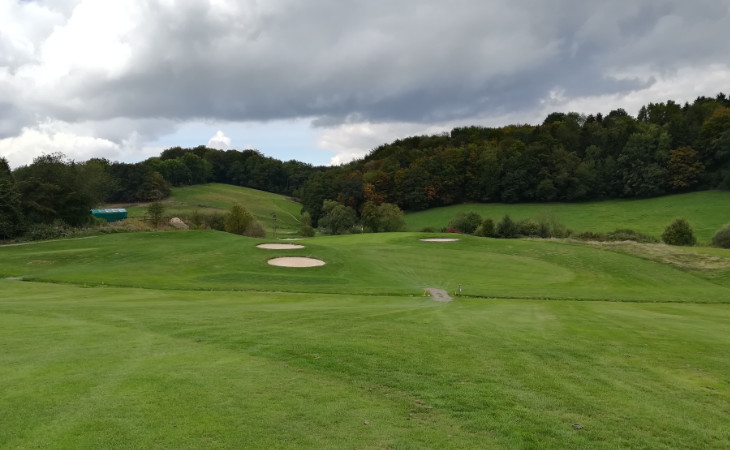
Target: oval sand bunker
<point x="290" y="261"/>
<point x="439" y="240"/>
<point x="280" y="246"/>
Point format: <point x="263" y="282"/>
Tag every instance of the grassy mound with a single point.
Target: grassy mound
<point x="218" y="198"/>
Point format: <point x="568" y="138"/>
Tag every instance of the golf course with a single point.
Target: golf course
<point x="193" y="339"/>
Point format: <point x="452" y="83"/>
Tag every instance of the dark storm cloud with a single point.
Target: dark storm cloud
<point x="389" y="60"/>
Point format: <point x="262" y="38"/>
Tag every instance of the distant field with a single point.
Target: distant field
<point x="706" y="211"/>
<point x="216" y="197"/>
<point x="191" y="340"/>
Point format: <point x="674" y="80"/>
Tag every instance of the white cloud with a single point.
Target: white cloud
<point x="220" y="141"/>
<point x="53" y="136"/>
<point x="118" y="75"/>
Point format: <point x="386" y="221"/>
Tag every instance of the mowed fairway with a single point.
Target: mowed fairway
<point x="190" y="340"/>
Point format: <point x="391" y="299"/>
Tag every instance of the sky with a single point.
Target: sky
<point x="326" y="81"/>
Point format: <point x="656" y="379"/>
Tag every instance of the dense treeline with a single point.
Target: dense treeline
<point x="53" y="189"/>
<point x="667" y="148"/>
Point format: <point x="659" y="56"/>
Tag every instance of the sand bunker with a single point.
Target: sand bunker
<point x="439" y="240"/>
<point x="280" y="246"/>
<point x="290" y="261"/>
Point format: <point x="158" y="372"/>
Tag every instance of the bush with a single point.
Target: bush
<point x="721" y="238"/>
<point x="507" y="228"/>
<point x="679" y="232"/>
<point x="156" y="210"/>
<point x="550" y="226"/>
<point x="451" y="230"/>
<point x="428" y="230"/>
<point x="255" y="229"/>
<point x="197" y="220"/>
<point x="529" y="228"/>
<point x="240" y="221"/>
<point x="306" y="228"/>
<point x="486" y="229"/>
<point x="216" y="221"/>
<point x="466" y="222"/>
<point x="45" y="231"/>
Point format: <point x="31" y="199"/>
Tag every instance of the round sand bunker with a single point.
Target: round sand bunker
<point x="291" y="261"/>
<point x="280" y="246"/>
<point x="439" y="240"/>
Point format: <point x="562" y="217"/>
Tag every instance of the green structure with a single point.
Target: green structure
<point x="110" y="215"/>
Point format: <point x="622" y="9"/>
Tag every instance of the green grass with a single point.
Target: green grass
<point x="113" y="368"/>
<point x="216" y="197"/>
<point x="706" y="211"/>
<point x="374" y="264"/>
<point x="193" y="341"/>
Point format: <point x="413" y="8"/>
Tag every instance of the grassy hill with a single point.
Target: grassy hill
<point x="216" y="197"/>
<point x="706" y="211"/>
<point x="191" y="340"/>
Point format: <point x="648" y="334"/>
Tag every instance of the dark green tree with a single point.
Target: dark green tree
<point x="156" y="210"/>
<point x="507" y="228"/>
<point x="11" y="214"/>
<point x="240" y="221"/>
<point x="679" y="232"/>
<point x="381" y="218"/>
<point x="337" y="218"/>
<point x="305" y="228"/>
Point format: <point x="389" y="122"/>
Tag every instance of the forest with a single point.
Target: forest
<point x="667" y="148"/>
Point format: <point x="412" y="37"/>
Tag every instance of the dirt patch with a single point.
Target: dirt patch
<point x="439" y="240"/>
<point x="439" y="295"/>
<point x="280" y="246"/>
<point x="290" y="261"/>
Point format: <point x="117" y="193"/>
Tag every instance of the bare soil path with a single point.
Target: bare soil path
<point x="439" y="295"/>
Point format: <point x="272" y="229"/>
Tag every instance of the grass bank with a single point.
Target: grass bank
<point x="706" y="211"/>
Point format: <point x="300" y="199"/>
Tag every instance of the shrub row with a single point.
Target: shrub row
<point x="679" y="232"/>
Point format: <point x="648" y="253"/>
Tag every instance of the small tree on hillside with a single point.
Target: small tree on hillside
<point x="679" y="232"/>
<point x="306" y="228"/>
<point x="240" y="221"/>
<point x="156" y="210"/>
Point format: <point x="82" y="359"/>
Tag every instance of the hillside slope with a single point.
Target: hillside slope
<point x="706" y="211"/>
<point x="217" y="197"/>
